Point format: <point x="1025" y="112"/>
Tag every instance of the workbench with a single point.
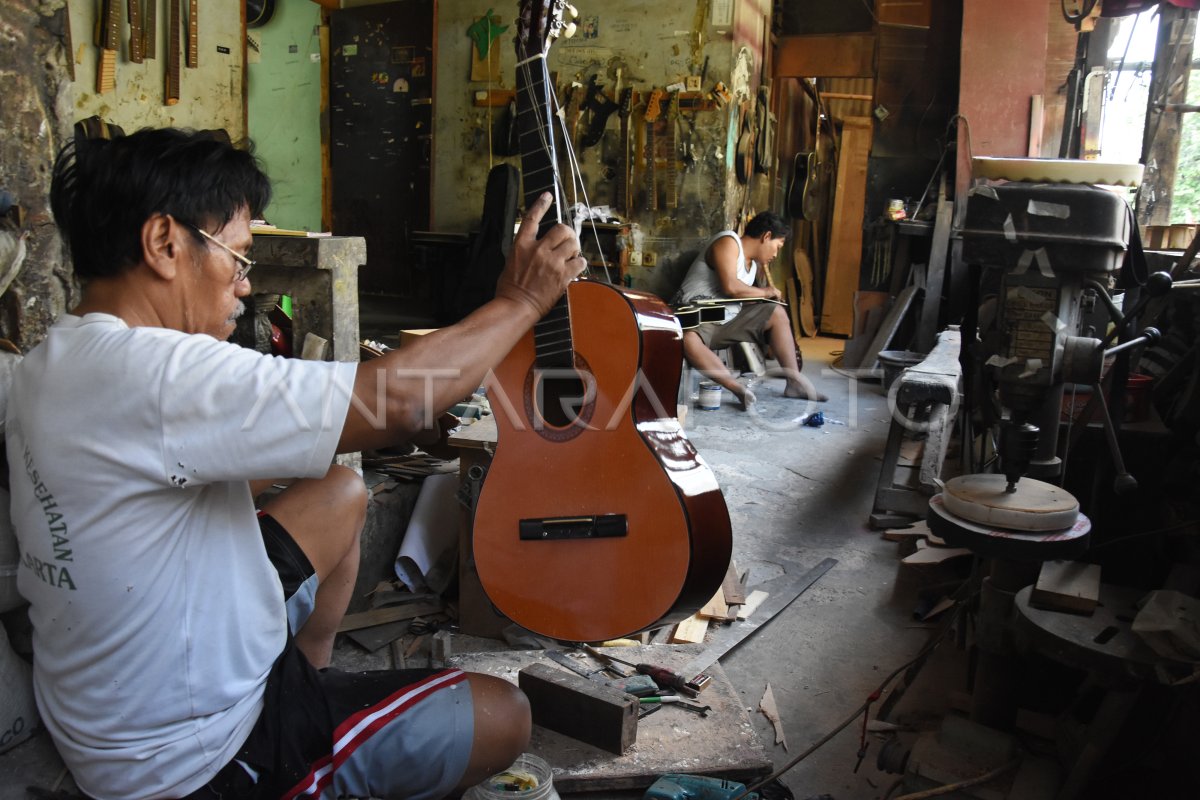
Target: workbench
<point x="723" y="743"/>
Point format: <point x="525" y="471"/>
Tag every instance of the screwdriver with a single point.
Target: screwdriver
<point x="660" y="675"/>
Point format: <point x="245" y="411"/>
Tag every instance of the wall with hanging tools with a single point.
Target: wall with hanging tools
<point x="210" y="93"/>
<point x="688" y="45"/>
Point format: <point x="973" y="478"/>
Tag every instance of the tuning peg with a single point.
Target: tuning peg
<point x="572" y="11"/>
<point x="569" y="30"/>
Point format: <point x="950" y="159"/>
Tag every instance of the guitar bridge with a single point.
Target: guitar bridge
<point x="603" y="526"/>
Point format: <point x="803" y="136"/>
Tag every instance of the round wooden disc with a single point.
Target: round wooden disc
<point x="1034" y="506"/>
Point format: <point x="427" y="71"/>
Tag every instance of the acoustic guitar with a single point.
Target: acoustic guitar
<point x="596" y="518"/>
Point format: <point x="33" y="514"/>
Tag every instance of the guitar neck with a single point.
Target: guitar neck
<point x="623" y="168"/>
<point x="173" y="56"/>
<point x="193" y="40"/>
<point x="539" y="174"/>
<point x="150" y="31"/>
<point x="110" y="43"/>
<point x="136" y="38"/>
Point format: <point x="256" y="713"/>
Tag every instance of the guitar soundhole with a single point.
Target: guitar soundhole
<point x="559" y="403"/>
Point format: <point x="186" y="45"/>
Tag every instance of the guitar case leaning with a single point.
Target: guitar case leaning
<point x="491" y="244"/>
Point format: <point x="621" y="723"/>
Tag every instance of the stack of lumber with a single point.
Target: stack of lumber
<point x="730" y="603"/>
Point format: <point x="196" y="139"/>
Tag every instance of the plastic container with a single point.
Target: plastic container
<point x="894" y="362"/>
<point x="529" y="778"/>
<point x="709" y="398"/>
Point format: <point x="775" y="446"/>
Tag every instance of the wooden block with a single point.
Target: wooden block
<point x="1070" y="586"/>
<point x="582" y="709"/>
<point x="690" y="631"/>
<point x="752" y="602"/>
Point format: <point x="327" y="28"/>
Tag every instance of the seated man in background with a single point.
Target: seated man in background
<point x="181" y="638"/>
<point x="735" y="267"/>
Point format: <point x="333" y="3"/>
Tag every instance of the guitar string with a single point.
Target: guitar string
<point x="579" y="187"/>
<point x="569" y="150"/>
<point x="551" y="320"/>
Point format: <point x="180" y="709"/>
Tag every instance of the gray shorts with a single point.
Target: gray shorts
<point x="328" y="733"/>
<point x="747" y="326"/>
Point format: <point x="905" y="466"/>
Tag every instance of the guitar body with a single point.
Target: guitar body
<point x="611" y="523"/>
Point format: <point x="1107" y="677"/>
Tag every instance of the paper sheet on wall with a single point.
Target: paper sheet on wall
<point x="428" y="556"/>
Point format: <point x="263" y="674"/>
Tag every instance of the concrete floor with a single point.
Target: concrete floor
<point x="796" y="495"/>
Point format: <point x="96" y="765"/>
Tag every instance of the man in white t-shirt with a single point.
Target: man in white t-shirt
<point x="182" y="636"/>
<point x="733" y="267"/>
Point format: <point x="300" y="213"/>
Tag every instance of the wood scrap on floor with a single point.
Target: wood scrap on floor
<point x="769" y="710"/>
<point x="733" y="586"/>
<point x="755" y="599"/>
<point x="380" y="616"/>
<point x="715" y="608"/>
<point x="690" y="631"/>
<point x="918" y="530"/>
<point x="929" y="554"/>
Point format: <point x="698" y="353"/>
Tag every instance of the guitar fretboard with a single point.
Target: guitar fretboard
<point x="552" y="334"/>
<point x="137" y="41"/>
<point x="173" y="56"/>
<point x="150" y="31"/>
<point x="193" y="41"/>
<point x="110" y="43"/>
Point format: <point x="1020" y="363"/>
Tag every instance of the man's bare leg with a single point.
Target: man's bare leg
<point x="710" y="365"/>
<point x="325" y="516"/>
<point x="783" y="345"/>
<point x="502" y="727"/>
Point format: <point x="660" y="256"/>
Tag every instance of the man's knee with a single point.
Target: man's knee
<point x="346" y="489"/>
<point x="502" y="726"/>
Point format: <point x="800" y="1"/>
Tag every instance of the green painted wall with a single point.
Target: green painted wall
<point x="284" y="80"/>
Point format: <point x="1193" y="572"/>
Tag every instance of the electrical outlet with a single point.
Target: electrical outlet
<point x="649" y="259"/>
<point x="635" y="258"/>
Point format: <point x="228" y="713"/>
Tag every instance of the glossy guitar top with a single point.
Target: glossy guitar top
<point x="612" y="523"/>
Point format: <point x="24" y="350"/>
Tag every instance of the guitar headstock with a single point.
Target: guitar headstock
<point x="625" y="101"/>
<point x="540" y="22"/>
<point x="654" y="105"/>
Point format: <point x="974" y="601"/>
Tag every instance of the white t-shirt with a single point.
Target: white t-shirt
<point x="701" y="283"/>
<point x="156" y="612"/>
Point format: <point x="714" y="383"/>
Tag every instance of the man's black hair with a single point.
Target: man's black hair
<point x="767" y="222"/>
<point x="104" y="190"/>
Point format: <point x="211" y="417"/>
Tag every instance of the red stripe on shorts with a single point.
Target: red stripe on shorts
<point x="359" y="728"/>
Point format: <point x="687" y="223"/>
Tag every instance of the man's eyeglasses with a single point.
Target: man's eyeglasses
<point x="244" y="264"/>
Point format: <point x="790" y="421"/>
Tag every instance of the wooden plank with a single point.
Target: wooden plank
<point x="916" y="13"/>
<point x="690" y="631"/>
<point x="580" y="708"/>
<point x="380" y="616"/>
<point x="1069" y="586"/>
<point x="735" y="591"/>
<point x="939" y="250"/>
<point x="715" y="608"/>
<point x="723" y="744"/>
<point x="846" y="231"/>
<point x="888" y="328"/>
<point x="841" y="55"/>
<point x="752" y="602"/>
